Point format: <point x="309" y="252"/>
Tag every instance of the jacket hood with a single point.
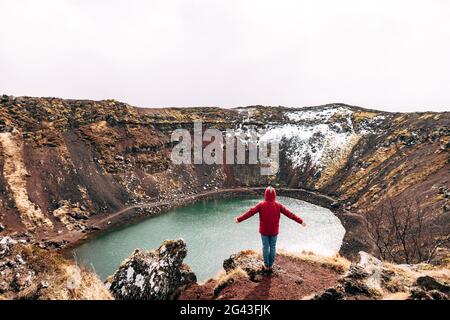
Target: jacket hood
<point x="270" y="194"/>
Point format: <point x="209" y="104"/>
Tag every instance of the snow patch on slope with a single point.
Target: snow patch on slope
<point x="316" y="138"/>
<point x="314" y="115"/>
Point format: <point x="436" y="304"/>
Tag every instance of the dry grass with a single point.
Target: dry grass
<point x="336" y="262"/>
<point x="222" y="278"/>
<point x="90" y="287"/>
<point x="58" y="273"/>
<point x="417" y="176"/>
<point x="357" y="181"/>
<point x="404" y="277"/>
<point x="401" y="278"/>
<point x="426" y="116"/>
<point x="396" y="296"/>
<point x="363" y="115"/>
<point x="399" y="119"/>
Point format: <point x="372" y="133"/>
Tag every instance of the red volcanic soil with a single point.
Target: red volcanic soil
<point x="293" y="280"/>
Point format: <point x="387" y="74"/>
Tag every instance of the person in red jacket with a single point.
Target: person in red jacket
<point x="269" y="222"/>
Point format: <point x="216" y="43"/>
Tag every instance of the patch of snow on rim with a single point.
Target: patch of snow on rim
<point x="314" y="137"/>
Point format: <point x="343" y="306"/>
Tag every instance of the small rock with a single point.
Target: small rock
<point x="258" y="277"/>
<point x="219" y="288"/>
<point x="3" y="287"/>
<point x="329" y="294"/>
<point x="335" y="205"/>
<point x="77" y="215"/>
<point x="5" y="246"/>
<point x="49" y="244"/>
<point x="430" y="283"/>
<point x="353" y="287"/>
<point x="419" y="294"/>
<point x="22" y="281"/>
<point x="19" y="259"/>
<point x="437" y="295"/>
<point x="372" y="267"/>
<point x="442" y="189"/>
<point x="7" y="240"/>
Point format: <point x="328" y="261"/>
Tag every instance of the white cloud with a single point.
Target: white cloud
<point x="391" y="55"/>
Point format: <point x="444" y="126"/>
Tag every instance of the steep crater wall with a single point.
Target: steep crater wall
<point x="84" y="161"/>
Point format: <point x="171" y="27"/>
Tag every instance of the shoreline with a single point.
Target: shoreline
<point x="353" y="242"/>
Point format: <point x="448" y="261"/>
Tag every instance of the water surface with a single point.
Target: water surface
<point x="211" y="235"/>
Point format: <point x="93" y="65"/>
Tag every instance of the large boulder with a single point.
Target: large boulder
<point x="153" y="275"/>
<point x="356" y="239"/>
<point x="373" y="268"/>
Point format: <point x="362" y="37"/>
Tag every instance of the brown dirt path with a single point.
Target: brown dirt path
<point x="294" y="280"/>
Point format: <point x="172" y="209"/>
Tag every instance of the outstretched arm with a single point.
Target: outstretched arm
<point x="290" y="214"/>
<point x="248" y="214"/>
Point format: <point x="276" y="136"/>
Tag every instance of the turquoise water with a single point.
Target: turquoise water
<point x="211" y="235"/>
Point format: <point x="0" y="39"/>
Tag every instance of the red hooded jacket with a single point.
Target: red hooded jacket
<point x="269" y="214"/>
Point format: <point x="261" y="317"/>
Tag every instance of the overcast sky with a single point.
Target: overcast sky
<point x="386" y="54"/>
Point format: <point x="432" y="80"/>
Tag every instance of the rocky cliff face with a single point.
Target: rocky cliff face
<point x="67" y="166"/>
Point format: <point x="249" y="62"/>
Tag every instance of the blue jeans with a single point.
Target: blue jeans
<point x="269" y="249"/>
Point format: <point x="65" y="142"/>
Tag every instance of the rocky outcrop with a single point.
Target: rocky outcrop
<point x="249" y="261"/>
<point x="153" y="275"/>
<point x="371" y="278"/>
<point x="429" y="288"/>
<point x="356" y="238"/>
<point x="430" y="283"/>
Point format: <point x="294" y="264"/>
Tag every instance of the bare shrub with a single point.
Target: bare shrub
<point x="405" y="233"/>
